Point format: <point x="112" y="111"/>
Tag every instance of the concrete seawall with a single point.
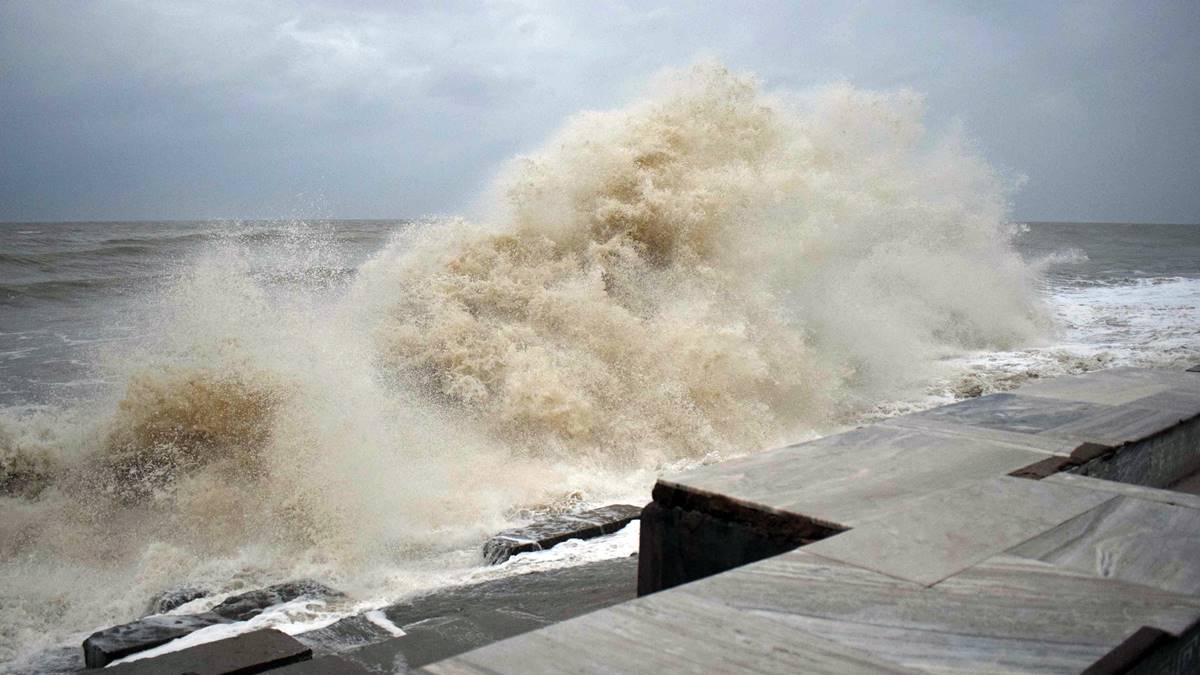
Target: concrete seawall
<point x="1026" y="531"/>
<point x="1052" y="529"/>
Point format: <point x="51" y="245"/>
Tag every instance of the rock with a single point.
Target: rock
<point x="348" y="633"/>
<point x="106" y="646"/>
<point x="546" y="533"/>
<point x="113" y="643"/>
<point x="251" y="604"/>
<point x="174" y="597"/>
<point x="247" y="653"/>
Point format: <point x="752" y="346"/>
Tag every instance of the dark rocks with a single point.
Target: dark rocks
<point x="251" y="604"/>
<point x="547" y="533"/>
<point x="254" y="652"/>
<point x="174" y="597"/>
<point x="113" y="643"/>
<point x="106" y="646"/>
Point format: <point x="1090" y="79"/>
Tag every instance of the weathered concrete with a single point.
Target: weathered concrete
<point x="557" y="529"/>
<point x="970" y="538"/>
<point x="255" y="652"/>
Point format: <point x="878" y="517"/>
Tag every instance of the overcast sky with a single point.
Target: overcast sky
<point x="285" y="108"/>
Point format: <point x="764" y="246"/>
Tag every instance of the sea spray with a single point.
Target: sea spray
<point x="703" y="273"/>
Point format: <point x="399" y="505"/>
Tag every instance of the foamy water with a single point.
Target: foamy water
<point x="701" y="274"/>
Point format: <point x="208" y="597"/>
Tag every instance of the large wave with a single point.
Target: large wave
<point x="706" y="272"/>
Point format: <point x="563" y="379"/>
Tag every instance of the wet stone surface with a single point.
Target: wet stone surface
<point x="106" y="646"/>
<point x="173" y="598"/>
<point x="451" y="621"/>
<point x="552" y="531"/>
<point x="251" y="604"/>
<point x="255" y="652"/>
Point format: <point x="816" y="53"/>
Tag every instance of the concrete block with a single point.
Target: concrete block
<point x="947" y="532"/>
<point x="255" y="652"/>
<point x="850" y="478"/>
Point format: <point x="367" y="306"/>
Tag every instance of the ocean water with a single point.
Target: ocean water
<point x="705" y="273"/>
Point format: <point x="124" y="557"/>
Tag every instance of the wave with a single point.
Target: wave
<point x="700" y="274"/>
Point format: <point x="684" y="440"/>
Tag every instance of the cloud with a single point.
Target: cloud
<point x="182" y="108"/>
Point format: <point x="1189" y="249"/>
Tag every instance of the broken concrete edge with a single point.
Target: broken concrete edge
<point x="687" y="536"/>
<point x="544" y="534"/>
<point x="252" y="652"/>
<point x="1049" y="466"/>
<point x="1099" y="460"/>
<point x="116" y="642"/>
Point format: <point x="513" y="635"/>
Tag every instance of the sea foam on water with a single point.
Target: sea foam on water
<point x="707" y="272"/>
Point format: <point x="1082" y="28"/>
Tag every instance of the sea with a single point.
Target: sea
<point x="703" y="274"/>
<point x="81" y="304"/>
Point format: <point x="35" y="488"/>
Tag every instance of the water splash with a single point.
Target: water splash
<point x="703" y="273"/>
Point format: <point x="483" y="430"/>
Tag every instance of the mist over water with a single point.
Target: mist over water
<point x="709" y="271"/>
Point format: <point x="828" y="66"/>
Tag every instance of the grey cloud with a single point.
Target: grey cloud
<point x="183" y="108"/>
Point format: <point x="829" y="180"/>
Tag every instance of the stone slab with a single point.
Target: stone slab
<point x="455" y="620"/>
<point x="110" y="644"/>
<point x="1118" y="425"/>
<point x="1045" y="444"/>
<point x="557" y="529"/>
<point x="851" y="478"/>
<point x="1114" y="386"/>
<point x="798" y="612"/>
<point x="667" y="633"/>
<point x="255" y="652"/>
<point x="1018" y="412"/>
<point x="1173" y="497"/>
<point x="947" y="532"/>
<point x="1003" y="615"/>
<point x="1129" y="539"/>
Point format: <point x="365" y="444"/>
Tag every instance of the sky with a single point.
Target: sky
<point x="181" y="109"/>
